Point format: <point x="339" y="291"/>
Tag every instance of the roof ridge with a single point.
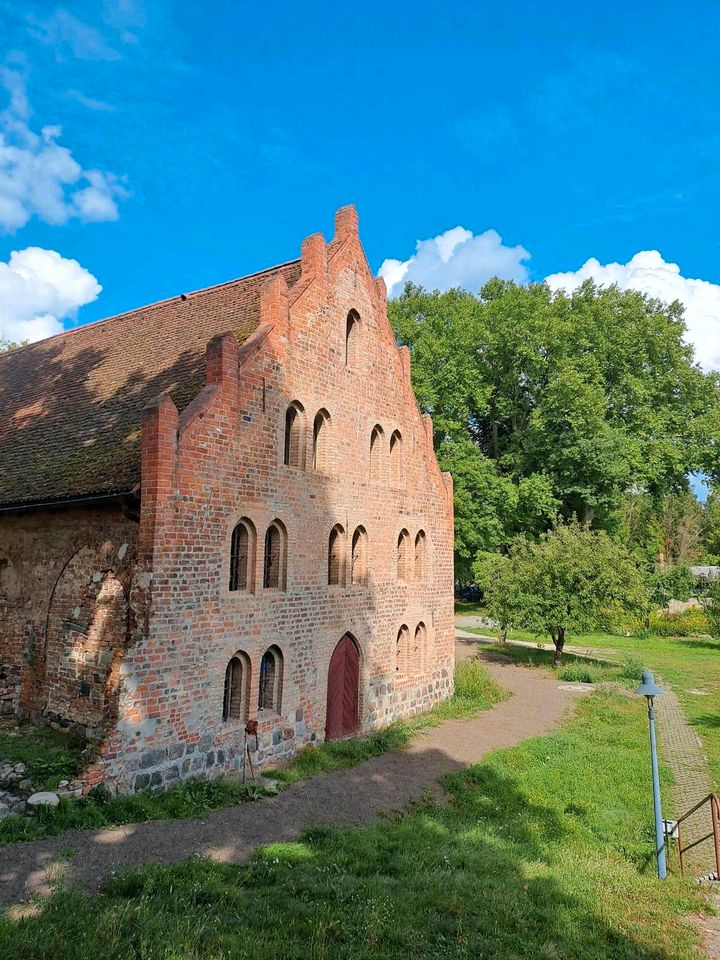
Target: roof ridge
<point x="147" y="306"/>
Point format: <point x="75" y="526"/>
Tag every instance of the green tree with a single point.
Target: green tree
<point x="11" y="344"/>
<point x="592" y="395"/>
<point x="672" y="583"/>
<point x="572" y="580"/>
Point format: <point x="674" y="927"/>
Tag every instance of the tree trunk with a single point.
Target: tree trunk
<point x="503" y="634"/>
<point x="559" y="641"/>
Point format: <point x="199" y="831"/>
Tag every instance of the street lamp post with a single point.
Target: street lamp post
<point x="649" y="689"/>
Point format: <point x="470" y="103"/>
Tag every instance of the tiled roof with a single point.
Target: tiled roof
<point x="71" y="405"/>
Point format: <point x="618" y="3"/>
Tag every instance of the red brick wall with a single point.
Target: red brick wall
<point x="65" y="613"/>
<point x="222" y="460"/>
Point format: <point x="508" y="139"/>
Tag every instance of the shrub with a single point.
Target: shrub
<point x="686" y="624"/>
<point x="632" y="669"/>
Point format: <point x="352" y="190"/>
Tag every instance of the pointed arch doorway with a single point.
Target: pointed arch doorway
<point x="342" y="716"/>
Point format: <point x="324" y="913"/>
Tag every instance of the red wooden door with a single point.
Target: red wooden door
<point x="341" y="719"/>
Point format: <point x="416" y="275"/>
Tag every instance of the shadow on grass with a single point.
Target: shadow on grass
<point x="543" y="852"/>
<point x="709" y="720"/>
<point x="475" y="878"/>
<point x="700" y="643"/>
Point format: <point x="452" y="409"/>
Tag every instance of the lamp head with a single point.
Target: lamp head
<point x="648" y="688"/>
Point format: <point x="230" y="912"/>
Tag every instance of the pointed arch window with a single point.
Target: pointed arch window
<point x="352" y="339"/>
<point x="419" y="648"/>
<point x="336" y="556"/>
<point x="237" y="688"/>
<point x="321" y="442"/>
<point x="275" y="561"/>
<point x="242" y="556"/>
<point x="360" y="557"/>
<point x="271" y="680"/>
<point x="403" y="556"/>
<point x="420" y="556"/>
<point x="376" y="453"/>
<point x="401" y="650"/>
<point x="294" y="435"/>
<point x="397" y="463"/>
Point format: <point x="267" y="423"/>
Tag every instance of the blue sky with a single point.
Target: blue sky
<point x="205" y="141"/>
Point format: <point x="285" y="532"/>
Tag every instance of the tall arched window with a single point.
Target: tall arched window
<point x="397" y="465"/>
<point x="420" y="555"/>
<point x="271" y="680"/>
<point x="376" y="453"/>
<point x="360" y="556"/>
<point x="294" y="435"/>
<point x="419" y="648"/>
<point x="275" y="563"/>
<point x="401" y="650"/>
<point x="336" y="556"/>
<point x="352" y="338"/>
<point x="242" y="555"/>
<point x="403" y="556"/>
<point x="321" y="442"/>
<point x="237" y="688"/>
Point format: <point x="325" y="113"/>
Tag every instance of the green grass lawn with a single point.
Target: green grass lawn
<point x="686" y="663"/>
<point x="474" y="690"/>
<point x="49" y="755"/>
<point x="544" y="853"/>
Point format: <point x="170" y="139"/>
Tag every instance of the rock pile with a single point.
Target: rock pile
<point x="17" y="796"/>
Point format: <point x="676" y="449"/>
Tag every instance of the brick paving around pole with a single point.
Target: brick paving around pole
<point x="682" y="751"/>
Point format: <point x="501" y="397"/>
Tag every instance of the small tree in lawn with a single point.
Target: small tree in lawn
<point x="573" y="580"/>
<point x="494" y="576"/>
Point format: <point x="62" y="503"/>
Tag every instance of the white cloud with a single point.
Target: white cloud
<point x="69" y="36"/>
<point x="649" y="273"/>
<point x="38" y="177"/>
<point x="38" y="290"/>
<point x="456" y="258"/>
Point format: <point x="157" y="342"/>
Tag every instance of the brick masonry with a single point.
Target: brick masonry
<point x="134" y="648"/>
<point x="682" y="750"/>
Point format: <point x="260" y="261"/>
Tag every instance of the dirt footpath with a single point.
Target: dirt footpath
<point x="359" y="795"/>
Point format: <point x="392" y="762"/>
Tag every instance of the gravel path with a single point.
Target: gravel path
<point x="359" y="795"/>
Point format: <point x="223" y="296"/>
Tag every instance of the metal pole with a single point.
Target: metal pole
<point x="659" y="833"/>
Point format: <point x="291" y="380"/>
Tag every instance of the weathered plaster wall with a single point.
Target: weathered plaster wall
<point x="66" y="578"/>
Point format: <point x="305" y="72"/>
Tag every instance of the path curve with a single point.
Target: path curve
<point x="359" y="795"/>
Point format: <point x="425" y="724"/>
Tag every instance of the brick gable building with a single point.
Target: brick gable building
<point x="223" y="507"/>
